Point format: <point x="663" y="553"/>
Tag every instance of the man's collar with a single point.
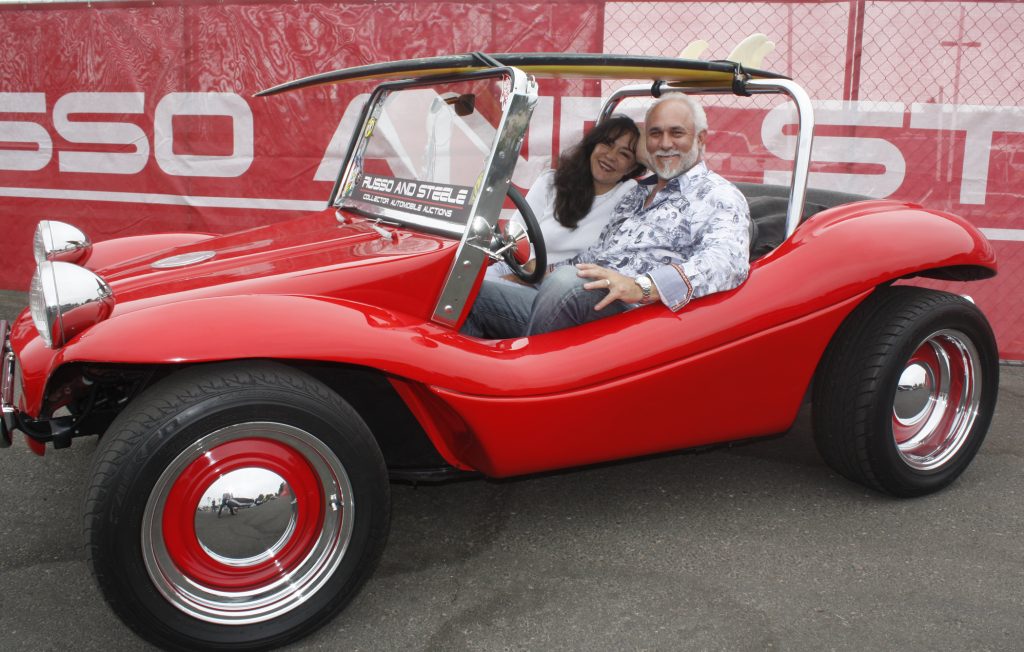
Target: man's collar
<point x="699" y="169"/>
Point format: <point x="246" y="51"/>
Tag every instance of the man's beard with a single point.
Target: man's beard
<point x="668" y="171"/>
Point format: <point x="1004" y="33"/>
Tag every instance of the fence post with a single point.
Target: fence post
<point x="854" y="46"/>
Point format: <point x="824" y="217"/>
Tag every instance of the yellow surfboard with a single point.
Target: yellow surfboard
<point x="547" y="65"/>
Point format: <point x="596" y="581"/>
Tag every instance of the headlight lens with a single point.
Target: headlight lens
<point x="65" y="299"/>
<point x="59" y="241"/>
<point x="42" y="295"/>
<point x="39" y="242"/>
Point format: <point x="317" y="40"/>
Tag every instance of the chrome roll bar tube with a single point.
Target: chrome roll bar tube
<point x="805" y="126"/>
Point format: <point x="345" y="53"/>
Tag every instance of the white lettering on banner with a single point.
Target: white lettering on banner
<point x="27" y="160"/>
<point x="195" y="165"/>
<point x="979" y="123"/>
<point x="119" y="133"/>
<point x="841" y="149"/>
<point x="1014" y="235"/>
<point x="103" y="133"/>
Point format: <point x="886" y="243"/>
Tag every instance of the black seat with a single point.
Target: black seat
<point x="768" y="206"/>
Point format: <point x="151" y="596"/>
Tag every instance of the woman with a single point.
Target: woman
<point x="574" y="202"/>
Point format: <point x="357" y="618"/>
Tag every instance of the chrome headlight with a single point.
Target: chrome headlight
<point x="65" y="299"/>
<point x="59" y="241"/>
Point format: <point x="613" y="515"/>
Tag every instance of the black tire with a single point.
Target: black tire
<point x="186" y="578"/>
<point x="536" y="237"/>
<point x="877" y="411"/>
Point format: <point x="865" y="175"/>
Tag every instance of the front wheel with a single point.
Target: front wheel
<point x="235" y="506"/>
<point x="906" y="390"/>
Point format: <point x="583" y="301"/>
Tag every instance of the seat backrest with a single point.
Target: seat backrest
<point x="768" y="206"/>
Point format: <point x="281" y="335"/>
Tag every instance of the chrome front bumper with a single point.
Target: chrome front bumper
<point x="9" y="417"/>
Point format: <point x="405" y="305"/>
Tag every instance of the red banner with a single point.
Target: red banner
<point x="125" y="119"/>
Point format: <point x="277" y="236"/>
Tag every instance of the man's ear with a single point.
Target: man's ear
<point x="701" y="137"/>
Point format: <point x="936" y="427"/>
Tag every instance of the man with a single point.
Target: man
<point x="684" y="237"/>
<point x="227" y="500"/>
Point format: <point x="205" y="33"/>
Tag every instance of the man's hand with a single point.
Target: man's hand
<point x="620" y="288"/>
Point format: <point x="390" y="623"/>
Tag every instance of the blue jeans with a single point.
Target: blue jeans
<point x="504" y="310"/>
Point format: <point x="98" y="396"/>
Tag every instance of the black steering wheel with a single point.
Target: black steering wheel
<point x="534" y="236"/>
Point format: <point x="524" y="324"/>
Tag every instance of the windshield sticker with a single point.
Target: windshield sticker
<point x="438" y="200"/>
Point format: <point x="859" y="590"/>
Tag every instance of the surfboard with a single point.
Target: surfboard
<point x="547" y="65"/>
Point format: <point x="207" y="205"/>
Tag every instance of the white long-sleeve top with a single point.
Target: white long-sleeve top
<point x="562" y="243"/>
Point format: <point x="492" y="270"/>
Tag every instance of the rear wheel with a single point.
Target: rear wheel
<point x="906" y="390"/>
<point x="235" y="507"/>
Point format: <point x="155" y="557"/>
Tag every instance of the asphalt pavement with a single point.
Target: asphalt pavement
<point x="759" y="547"/>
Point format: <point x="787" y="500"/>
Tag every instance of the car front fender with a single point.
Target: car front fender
<point x="286" y="327"/>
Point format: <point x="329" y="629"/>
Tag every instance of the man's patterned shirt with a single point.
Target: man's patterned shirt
<point x="693" y="240"/>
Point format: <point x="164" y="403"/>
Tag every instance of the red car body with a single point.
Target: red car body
<point x="508" y="407"/>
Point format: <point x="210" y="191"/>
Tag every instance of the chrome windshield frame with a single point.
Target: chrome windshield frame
<point x="350" y="169"/>
<point x="519" y="97"/>
<point x="805" y="128"/>
<point x="488" y="199"/>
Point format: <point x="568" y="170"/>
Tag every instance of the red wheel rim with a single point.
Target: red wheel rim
<point x="238" y="588"/>
<point x="183" y="543"/>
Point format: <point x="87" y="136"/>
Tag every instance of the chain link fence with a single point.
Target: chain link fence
<point x="917" y="101"/>
<point x="887" y="50"/>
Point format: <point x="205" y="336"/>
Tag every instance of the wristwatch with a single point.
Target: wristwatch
<point x="645" y="283"/>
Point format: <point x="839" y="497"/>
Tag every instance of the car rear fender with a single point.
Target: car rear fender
<point x="856" y="246"/>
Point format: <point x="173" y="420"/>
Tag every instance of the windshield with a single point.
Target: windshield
<point x="423" y="151"/>
<point x="438" y="153"/>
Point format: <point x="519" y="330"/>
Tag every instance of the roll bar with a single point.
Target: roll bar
<point x="805" y="120"/>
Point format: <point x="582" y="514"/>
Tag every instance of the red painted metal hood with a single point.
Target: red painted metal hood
<point x="317" y="255"/>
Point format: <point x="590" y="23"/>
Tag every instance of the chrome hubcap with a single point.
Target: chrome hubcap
<point x="914" y="394"/>
<point x="262" y="537"/>
<point x="937" y="400"/>
<point x="247" y="523"/>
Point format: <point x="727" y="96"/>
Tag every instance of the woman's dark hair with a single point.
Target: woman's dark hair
<point x="574" y="183"/>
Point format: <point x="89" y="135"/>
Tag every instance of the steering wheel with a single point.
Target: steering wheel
<point x="518" y="255"/>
